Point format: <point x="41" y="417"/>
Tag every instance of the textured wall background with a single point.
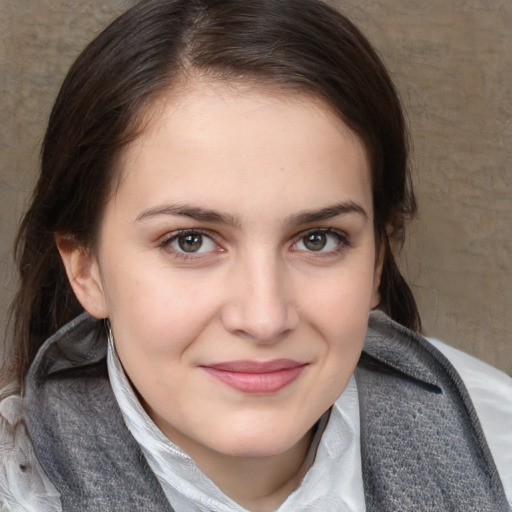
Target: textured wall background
<point x="453" y="65"/>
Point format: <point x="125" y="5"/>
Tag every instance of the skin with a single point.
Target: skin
<point x="253" y="172"/>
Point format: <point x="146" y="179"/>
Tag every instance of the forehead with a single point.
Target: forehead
<point x="214" y="142"/>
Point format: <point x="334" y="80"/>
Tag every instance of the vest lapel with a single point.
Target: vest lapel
<point x="78" y="431"/>
<point x="422" y="445"/>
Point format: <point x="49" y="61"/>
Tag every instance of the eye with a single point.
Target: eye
<point x="191" y="242"/>
<point x="321" y="241"/>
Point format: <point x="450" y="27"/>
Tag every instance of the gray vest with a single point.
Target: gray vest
<point x="422" y="445"/>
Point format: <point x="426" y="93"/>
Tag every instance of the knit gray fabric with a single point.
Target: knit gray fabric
<point x="422" y="446"/>
<point x="77" y="429"/>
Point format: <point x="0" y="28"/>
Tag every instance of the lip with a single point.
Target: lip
<point x="256" y="376"/>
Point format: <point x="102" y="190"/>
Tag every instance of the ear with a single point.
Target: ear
<point x="84" y="275"/>
<point x="380" y="251"/>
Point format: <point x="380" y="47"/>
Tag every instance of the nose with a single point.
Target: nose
<point x="261" y="304"/>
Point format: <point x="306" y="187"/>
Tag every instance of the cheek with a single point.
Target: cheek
<point x="345" y="297"/>
<point x="156" y="312"/>
<point x="339" y="312"/>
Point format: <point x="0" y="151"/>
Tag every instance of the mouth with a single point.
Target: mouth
<point x="255" y="376"/>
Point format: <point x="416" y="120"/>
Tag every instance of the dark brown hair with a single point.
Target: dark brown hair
<point x="301" y="45"/>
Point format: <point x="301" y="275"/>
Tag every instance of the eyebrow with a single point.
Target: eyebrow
<point x="192" y="212"/>
<point x="329" y="212"/>
<point x="206" y="215"/>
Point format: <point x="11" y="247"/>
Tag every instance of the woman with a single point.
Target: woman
<point x="221" y="186"/>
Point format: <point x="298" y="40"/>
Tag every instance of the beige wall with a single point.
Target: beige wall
<point x="452" y="61"/>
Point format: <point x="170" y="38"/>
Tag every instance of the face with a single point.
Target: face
<point x="237" y="264"/>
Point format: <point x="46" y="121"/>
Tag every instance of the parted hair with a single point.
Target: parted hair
<point x="295" y="45"/>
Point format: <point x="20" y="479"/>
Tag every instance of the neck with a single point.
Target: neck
<point x="259" y="484"/>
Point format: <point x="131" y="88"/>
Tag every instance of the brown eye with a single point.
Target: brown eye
<point x="315" y="241"/>
<point x="190" y="243"/>
<point x="322" y="241"/>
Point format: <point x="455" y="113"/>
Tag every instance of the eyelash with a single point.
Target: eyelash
<point x="343" y="243"/>
<point x="171" y="237"/>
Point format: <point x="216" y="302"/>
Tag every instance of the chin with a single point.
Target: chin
<point x="261" y="444"/>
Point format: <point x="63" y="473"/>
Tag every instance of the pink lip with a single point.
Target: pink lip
<point x="255" y="376"/>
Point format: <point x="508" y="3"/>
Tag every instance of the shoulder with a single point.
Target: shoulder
<point x="23" y="484"/>
<point x="491" y="393"/>
<point x="481" y="379"/>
